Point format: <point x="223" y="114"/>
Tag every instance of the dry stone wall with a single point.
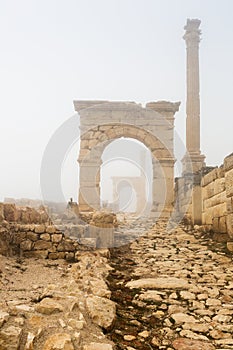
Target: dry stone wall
<point x="33" y="236"/>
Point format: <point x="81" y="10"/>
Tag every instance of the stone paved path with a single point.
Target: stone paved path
<point x="174" y="290"/>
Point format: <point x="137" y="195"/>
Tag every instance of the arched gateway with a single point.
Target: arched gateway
<point x="101" y="122"/>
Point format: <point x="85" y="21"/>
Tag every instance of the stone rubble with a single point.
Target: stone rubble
<point x="165" y="289"/>
<point x="175" y="287"/>
<point x="48" y="305"/>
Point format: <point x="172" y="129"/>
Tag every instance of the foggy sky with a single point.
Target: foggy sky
<point x="55" y="51"/>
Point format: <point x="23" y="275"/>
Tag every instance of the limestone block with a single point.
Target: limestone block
<point x="56" y="238"/>
<point x="222" y="224"/>
<point x="209" y="189"/>
<point x="207" y="218"/>
<point x="4" y="316"/>
<point x="19" y="237"/>
<point x="210" y="177"/>
<point x="45" y="237"/>
<point x="191" y="344"/>
<point x="230" y="225"/>
<point x="101" y="310"/>
<point x="228" y="162"/>
<point x="230" y="246"/>
<point x="229" y="203"/>
<point x="2" y="212"/>
<point x="219" y="210"/>
<point x="111" y="134"/>
<point x="219" y="185"/>
<point x="50" y="229"/>
<point x="180" y="318"/>
<point x="10" y="338"/>
<point x="215" y="224"/>
<point x="218" y="199"/>
<point x="10" y="212"/>
<point x="59" y="341"/>
<point x="39" y="228"/>
<point x="36" y="254"/>
<point x="159" y="283"/>
<point x="84" y="153"/>
<point x="221" y="172"/>
<point x="32" y="236"/>
<point x="208" y="204"/>
<point x="98" y="346"/>
<point x="55" y="256"/>
<point x="229" y="183"/>
<point x="43" y="245"/>
<point x="65" y="246"/>
<point x="48" y="306"/>
<point x="26" y="245"/>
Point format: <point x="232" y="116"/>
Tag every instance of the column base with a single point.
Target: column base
<point x="193" y="163"/>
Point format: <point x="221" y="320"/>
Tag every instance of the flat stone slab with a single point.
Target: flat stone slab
<point x="159" y="283"/>
<point x="189" y="344"/>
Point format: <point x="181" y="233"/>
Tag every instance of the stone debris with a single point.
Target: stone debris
<point x="44" y="306"/>
<point x="101" y="310"/>
<point x="159" y="283"/>
<point x="166" y="290"/>
<point x="173" y="286"/>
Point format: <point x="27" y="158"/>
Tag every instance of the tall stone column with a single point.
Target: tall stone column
<point x="193" y="160"/>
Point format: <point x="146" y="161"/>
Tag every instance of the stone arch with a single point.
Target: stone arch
<point x="102" y="122"/>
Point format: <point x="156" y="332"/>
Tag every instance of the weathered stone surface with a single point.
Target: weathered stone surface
<point x="99" y="287"/>
<point x="2" y="212"/>
<point x="65" y="247"/>
<point x="101" y="310"/>
<point x="10" y="212"/>
<point x="150" y="295"/>
<point x="39" y="228"/>
<point x="32" y="236"/>
<point x="26" y="245"/>
<point x="4" y="316"/>
<point x="45" y="236"/>
<point x="50" y="229"/>
<point x="188" y="344"/>
<point x="159" y="283"/>
<point x="59" y="341"/>
<point x="49" y="306"/>
<point x="180" y="318"/>
<point x="10" y="338"/>
<point x="43" y="245"/>
<point x="56" y="238"/>
<point x="97" y="346"/>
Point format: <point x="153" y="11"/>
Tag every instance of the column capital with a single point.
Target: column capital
<point x="192" y="34"/>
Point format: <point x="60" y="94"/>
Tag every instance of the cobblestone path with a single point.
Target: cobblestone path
<point x="174" y="290"/>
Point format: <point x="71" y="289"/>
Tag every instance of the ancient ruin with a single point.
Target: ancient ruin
<point x="82" y="278"/>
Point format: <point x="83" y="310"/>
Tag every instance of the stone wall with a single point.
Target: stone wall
<point x="217" y="198"/>
<point x="29" y="233"/>
<point x="42" y="241"/>
<point x="206" y="198"/>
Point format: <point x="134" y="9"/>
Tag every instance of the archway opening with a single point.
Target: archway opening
<point x="126" y="176"/>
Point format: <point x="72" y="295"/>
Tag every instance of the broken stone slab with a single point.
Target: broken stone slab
<point x="101" y="310"/>
<point x="159" y="283"/>
<point x="151" y="295"/>
<point x="189" y="344"/>
<point x="180" y="318"/>
<point x="97" y="346"/>
<point x="10" y="338"/>
<point x="48" y="306"/>
<point x="4" y="316"/>
<point x="59" y="341"/>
